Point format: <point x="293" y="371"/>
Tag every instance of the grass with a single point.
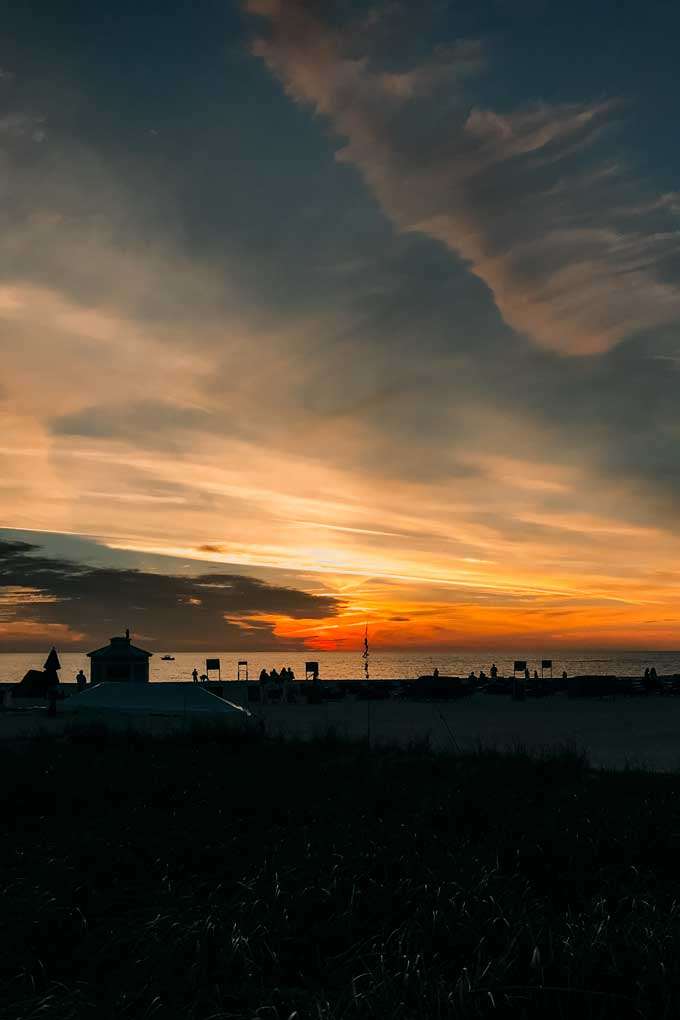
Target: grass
<point x="217" y="875"/>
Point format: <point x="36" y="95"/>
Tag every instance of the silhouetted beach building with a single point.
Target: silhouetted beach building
<point x="119" y="661"/>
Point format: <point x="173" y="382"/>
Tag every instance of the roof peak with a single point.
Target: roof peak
<point x="119" y="645"/>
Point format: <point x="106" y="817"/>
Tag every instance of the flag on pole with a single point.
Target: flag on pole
<point x="364" y="654"/>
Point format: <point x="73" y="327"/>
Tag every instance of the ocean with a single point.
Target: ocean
<point x="344" y="666"/>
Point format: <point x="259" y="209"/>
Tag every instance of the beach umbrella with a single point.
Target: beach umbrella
<point x="52" y="663"/>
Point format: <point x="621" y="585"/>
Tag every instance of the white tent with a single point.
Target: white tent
<point x="173" y="700"/>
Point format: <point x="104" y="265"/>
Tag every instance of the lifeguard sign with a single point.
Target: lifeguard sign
<point x="313" y="668"/>
<point x="213" y="664"/>
<point x="519" y="666"/>
<point x="546" y="664"/>
<point x="242" y="663"/>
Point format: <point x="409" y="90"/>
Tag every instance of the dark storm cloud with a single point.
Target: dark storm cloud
<point x="207" y="611"/>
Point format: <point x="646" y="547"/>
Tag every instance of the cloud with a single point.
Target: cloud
<point x="244" y="363"/>
<point x="576" y="256"/>
<point x="152" y="419"/>
<point x="85" y="604"/>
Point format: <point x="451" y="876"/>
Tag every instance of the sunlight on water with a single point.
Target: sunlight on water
<point x="383" y="665"/>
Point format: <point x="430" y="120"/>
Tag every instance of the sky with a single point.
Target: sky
<point x="318" y="315"/>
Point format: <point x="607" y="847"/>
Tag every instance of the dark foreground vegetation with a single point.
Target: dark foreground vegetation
<point x="222" y="877"/>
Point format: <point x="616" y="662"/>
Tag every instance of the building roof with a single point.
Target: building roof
<point x="120" y="648"/>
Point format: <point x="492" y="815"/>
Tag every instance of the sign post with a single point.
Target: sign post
<point x="213" y="664"/>
<point x="313" y="668"/>
<point x="546" y="664"/>
<point x="517" y="685"/>
<point x="244" y="663"/>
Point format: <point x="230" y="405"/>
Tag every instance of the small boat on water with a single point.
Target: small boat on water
<point x="168" y="658"/>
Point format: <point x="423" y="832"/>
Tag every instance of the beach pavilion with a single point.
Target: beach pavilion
<point x="120" y="661"/>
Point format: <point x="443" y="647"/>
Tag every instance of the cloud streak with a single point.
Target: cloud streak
<point x="576" y="258"/>
<point x="82" y="604"/>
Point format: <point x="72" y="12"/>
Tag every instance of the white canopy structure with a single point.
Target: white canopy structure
<point x="153" y="699"/>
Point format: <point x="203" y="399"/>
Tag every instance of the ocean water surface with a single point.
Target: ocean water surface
<point x="349" y="666"/>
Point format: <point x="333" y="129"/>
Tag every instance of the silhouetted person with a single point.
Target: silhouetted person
<point x="493" y="671"/>
<point x="564" y="674"/>
<point x="482" y="675"/>
<point x="472" y="676"/>
<point x="264" y="676"/>
<point x="526" y="672"/>
<point x="274" y="676"/>
<point x="646" y="675"/>
<point x="435" y="673"/>
<point x="194" y="675"/>
<point x="535" y="674"/>
<point x="81" y="679"/>
<point x="652" y="673"/>
<point x="291" y="674"/>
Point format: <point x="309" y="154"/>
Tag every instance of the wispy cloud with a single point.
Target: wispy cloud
<point x="572" y="254"/>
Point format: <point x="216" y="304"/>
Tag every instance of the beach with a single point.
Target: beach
<point x="614" y="733"/>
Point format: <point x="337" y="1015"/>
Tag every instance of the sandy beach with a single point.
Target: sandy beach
<point x="615" y="733"/>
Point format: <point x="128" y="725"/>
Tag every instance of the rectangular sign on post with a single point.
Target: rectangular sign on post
<point x="520" y="664"/>
<point x="546" y="663"/>
<point x="212" y="664"/>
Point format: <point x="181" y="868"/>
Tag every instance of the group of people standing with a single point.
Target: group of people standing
<point x="285" y="675"/>
<point x="493" y="674"/>
<point x="650" y="680"/>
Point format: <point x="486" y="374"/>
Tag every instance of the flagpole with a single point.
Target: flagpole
<point x="364" y="656"/>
